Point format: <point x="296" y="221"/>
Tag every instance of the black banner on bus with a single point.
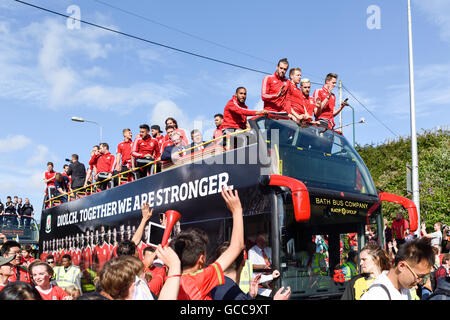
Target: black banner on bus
<point x="193" y="190"/>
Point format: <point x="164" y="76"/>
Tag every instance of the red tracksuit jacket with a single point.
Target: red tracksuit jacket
<point x="235" y="114"/>
<point x="270" y="87"/>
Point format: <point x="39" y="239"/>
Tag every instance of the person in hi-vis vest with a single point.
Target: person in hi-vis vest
<point x="67" y="274"/>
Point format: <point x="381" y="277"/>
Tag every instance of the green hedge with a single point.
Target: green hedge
<point x="387" y="164"/>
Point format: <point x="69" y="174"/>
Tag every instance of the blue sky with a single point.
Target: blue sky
<point x="50" y="72"/>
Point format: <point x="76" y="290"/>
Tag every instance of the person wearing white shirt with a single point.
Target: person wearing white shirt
<point x="413" y="262"/>
<point x="261" y="258"/>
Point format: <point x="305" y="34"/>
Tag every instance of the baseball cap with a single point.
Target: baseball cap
<point x="156" y="127"/>
<point x="4" y="260"/>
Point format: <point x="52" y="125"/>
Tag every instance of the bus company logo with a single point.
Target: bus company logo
<point x="48" y="224"/>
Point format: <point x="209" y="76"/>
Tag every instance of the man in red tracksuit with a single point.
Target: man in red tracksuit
<point x="327" y="99"/>
<point x="236" y="112"/>
<point x="275" y="87"/>
<point x="145" y="150"/>
<point x="123" y="155"/>
<point x="105" y="166"/>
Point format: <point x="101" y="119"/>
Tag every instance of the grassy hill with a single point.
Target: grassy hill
<point x="387" y="164"/>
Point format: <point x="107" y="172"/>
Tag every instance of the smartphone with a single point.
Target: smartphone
<point x="346" y="99"/>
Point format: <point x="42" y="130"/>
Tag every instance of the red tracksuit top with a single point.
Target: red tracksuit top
<point x="105" y="163"/>
<point x="270" y="87"/>
<point x="142" y="146"/>
<point x="235" y="114"/>
<point x="328" y="110"/>
<point x="295" y="99"/>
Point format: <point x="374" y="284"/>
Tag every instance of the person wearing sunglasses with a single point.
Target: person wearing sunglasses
<point x="412" y="264"/>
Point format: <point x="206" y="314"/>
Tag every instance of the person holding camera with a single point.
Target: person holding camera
<point x="326" y="110"/>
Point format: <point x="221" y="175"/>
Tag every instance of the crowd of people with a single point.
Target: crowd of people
<point x="418" y="270"/>
<point x="17" y="207"/>
<point x="180" y="270"/>
<point x="140" y="157"/>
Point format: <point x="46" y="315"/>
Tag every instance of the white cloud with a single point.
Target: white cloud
<point x="49" y="73"/>
<point x="13" y="143"/>
<point x="167" y="108"/>
<point x="41" y="155"/>
<point x="437" y="12"/>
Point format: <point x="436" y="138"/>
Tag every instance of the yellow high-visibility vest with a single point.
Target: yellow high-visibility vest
<point x="67" y="278"/>
<point x="246" y="276"/>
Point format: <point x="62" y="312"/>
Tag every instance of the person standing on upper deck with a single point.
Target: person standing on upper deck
<point x="236" y="112"/>
<point x="275" y="87"/>
<point x="327" y="99"/>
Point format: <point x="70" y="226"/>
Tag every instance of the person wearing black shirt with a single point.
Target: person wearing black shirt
<point x="77" y="171"/>
<point x="9" y="206"/>
<point x="27" y="208"/>
<point x="61" y="185"/>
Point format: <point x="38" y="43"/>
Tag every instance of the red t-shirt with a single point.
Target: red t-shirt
<point x="270" y="87"/>
<point x="197" y="285"/>
<point x="328" y="110"/>
<point x="76" y="257"/>
<point x="399" y="228"/>
<point x="235" y="114"/>
<point x="55" y="293"/>
<point x="102" y="254"/>
<point x="310" y="105"/>
<point x="49" y="175"/>
<point x="158" y="278"/>
<point x="124" y="148"/>
<point x="24" y="275"/>
<point x="29" y="260"/>
<point x="43" y="256"/>
<point x="87" y="257"/>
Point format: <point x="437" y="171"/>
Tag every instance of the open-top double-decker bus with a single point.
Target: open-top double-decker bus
<point x="296" y="184"/>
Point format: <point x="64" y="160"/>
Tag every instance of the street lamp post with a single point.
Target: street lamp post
<point x="362" y="120"/>
<point x="78" y="119"/>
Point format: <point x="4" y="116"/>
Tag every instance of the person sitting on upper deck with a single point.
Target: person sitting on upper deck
<point x="174" y="152"/>
<point x="197" y="141"/>
<point x="168" y="142"/>
<point x="145" y="150"/>
<point x="105" y="166"/>
<point x="275" y="87"/>
<point x="326" y="111"/>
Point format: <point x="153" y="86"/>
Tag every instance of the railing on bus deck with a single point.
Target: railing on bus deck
<point x="92" y="187"/>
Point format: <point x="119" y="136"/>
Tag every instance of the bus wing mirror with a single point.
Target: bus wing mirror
<point x="408" y="204"/>
<point x="300" y="194"/>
